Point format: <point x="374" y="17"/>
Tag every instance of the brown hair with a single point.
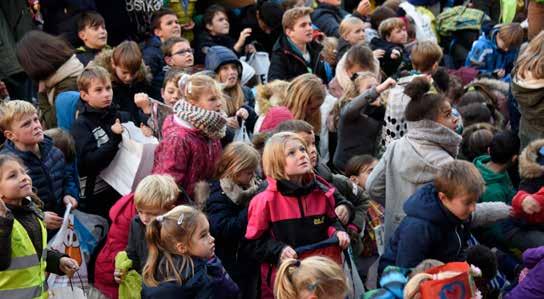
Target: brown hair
<point x="302" y="90"/>
<point x="42" y="54"/>
<point x="5" y="158"/>
<point x="167" y="45"/>
<point x="318" y="274"/>
<point x="362" y="56"/>
<point x="295" y="126"/>
<point x="459" y="178"/>
<point x="329" y="50"/>
<point x="425" y="55"/>
<point x="291" y="16"/>
<point x="128" y="55"/>
<point x="90" y="19"/>
<point x="512" y="35"/>
<point x="64" y="141"/>
<point x="357" y="163"/>
<point x="211" y="11"/>
<point x="237" y="157"/>
<point x="388" y="25"/>
<point x="274" y="154"/>
<point x="156" y="192"/>
<point x="193" y="87"/>
<point x="379" y="15"/>
<point x="172" y="76"/>
<point x="423" y="104"/>
<point x="530" y="63"/>
<point x="162" y="235"/>
<point x="90" y="73"/>
<point x="157" y="16"/>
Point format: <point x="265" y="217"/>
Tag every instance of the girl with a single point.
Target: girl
<point x="296" y="209"/>
<point x="24" y="258"/>
<point x="180" y="262"/>
<point x="528" y="90"/>
<point x="239" y="99"/>
<point x="414" y="160"/>
<point x="50" y="61"/>
<point x="190" y="146"/>
<point x="352" y="31"/>
<point x="270" y="102"/>
<point x="304" y="97"/>
<point x="358" y="113"/>
<point x="234" y="185"/>
<point x="314" y="277"/>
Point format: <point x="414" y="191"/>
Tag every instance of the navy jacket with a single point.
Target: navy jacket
<point x="154" y="58"/>
<point x="328" y="18"/>
<point x="486" y="56"/>
<point x="49" y="173"/>
<point x="209" y="281"/>
<point x="429" y="231"/>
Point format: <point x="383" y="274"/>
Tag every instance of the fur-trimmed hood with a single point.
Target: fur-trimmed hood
<point x="529" y="168"/>
<point x="103" y="59"/>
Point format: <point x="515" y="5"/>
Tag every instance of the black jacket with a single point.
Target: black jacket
<point x="262" y="40"/>
<point x="286" y="64"/>
<point x="123" y="96"/>
<point x="206" y="40"/>
<point x="327" y="18"/>
<point x="85" y="55"/>
<point x="154" y="58"/>
<point x="137" y="246"/>
<point x="390" y="66"/>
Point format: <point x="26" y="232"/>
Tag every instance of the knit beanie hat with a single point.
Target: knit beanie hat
<point x="271" y="13"/>
<point x="274" y="117"/>
<point x="218" y="56"/>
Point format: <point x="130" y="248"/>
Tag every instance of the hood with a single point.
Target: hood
<point x="490" y="177"/>
<point x="323" y="9"/>
<point x="493" y="38"/>
<point x="103" y="59"/>
<point x="189" y="289"/>
<point x="124" y="203"/>
<point x="218" y="56"/>
<point x="424" y="204"/>
<point x="529" y="168"/>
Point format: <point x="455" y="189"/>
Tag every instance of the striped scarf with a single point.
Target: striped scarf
<point x="211" y="123"/>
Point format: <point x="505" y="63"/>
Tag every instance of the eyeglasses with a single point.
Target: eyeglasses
<point x="183" y="52"/>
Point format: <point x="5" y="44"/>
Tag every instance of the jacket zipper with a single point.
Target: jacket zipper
<point x="299" y="200"/>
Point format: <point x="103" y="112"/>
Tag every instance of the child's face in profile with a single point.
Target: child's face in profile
<point x="170" y="93"/>
<point x="182" y="55"/>
<point x="364" y="172"/>
<point x="446" y="117"/>
<point x="169" y="27"/>
<point x="297" y="160"/>
<point x="94" y="37"/>
<point x="15" y="183"/>
<point x="202" y="243"/>
<point x="309" y="138"/>
<point x="301" y="31"/>
<point x="149" y="214"/>
<point x="220" y="24"/>
<point x="99" y="95"/>
<point x="461" y="205"/>
<point x="124" y="74"/>
<point x="356" y="34"/>
<point x="398" y="35"/>
<point x="209" y="101"/>
<point x="27" y="130"/>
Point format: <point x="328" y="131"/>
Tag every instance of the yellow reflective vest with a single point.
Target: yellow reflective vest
<point x="25" y="277"/>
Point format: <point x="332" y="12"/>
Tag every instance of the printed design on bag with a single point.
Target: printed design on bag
<point x="453" y="290"/>
<point x="100" y="136"/>
<point x="71" y="243"/>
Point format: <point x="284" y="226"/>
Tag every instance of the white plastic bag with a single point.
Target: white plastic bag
<point x="241" y="134"/>
<point x="67" y="293"/>
<point x="260" y="62"/>
<point x="354" y="280"/>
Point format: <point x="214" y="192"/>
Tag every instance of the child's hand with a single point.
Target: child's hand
<point x="500" y="73"/>
<point x="232" y="122"/>
<point x="69" y="199"/>
<point x="343" y="214"/>
<point x="287" y="253"/>
<point x="242" y="112"/>
<point x="52" y="220"/>
<point x="378" y="54"/>
<point x="117" y="128"/>
<point x="146" y="130"/>
<point x="343" y="239"/>
<point x="530" y="205"/>
<point x="142" y="101"/>
<point x="68" y="266"/>
<point x="118" y="276"/>
<point x="390" y="82"/>
<point x="188" y="26"/>
<point x="395" y="54"/>
<point x="364" y="8"/>
<point x="250" y="49"/>
<point x="244" y="35"/>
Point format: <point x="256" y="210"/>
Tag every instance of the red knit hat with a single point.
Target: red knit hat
<point x="274" y="117"/>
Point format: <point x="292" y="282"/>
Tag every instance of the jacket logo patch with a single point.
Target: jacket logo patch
<point x="100" y="136"/>
<point x="319" y="220"/>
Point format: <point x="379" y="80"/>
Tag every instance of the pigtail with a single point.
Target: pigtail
<point x="417" y="88"/>
<point x="152" y="236"/>
<point x="284" y="287"/>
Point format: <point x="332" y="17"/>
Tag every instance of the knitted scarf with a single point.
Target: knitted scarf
<point x="211" y="123"/>
<point x="71" y="68"/>
<point x="237" y="194"/>
<point x="428" y="130"/>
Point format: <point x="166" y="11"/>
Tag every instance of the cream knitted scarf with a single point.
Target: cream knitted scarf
<point x="211" y="123"/>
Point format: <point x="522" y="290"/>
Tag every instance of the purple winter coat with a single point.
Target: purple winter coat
<point x="532" y="287"/>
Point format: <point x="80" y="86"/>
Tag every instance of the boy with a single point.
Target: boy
<point x="92" y="32"/>
<point x="295" y="53"/>
<point x="177" y="53"/>
<point x="328" y="15"/>
<point x="45" y="163"/>
<point x="503" y="152"/>
<point x="393" y="37"/>
<point x="494" y="55"/>
<point x="164" y="25"/>
<point x="97" y="133"/>
<point x="439" y="217"/>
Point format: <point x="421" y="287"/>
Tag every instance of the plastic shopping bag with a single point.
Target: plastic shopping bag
<point x="131" y="286"/>
<point x="241" y="134"/>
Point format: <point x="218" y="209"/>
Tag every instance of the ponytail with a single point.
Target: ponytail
<point x="424" y="104"/>
<point x="152" y="236"/>
<point x="283" y="285"/>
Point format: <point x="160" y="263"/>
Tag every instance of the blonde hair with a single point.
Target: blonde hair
<point x="156" y="192"/>
<point x="193" y="87"/>
<point x="329" y="50"/>
<point x="274" y="154"/>
<point x="317" y="274"/>
<point x="389" y="25"/>
<point x="302" y="90"/>
<point x="459" y="178"/>
<point x="90" y="73"/>
<point x="162" y="236"/>
<point x="271" y="94"/>
<point x="14" y="110"/>
<point x="425" y="55"/>
<point x="291" y="16"/>
<point x="346" y="26"/>
<point x="530" y="63"/>
<point x="237" y="157"/>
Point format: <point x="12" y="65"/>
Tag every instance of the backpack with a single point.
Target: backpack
<point x="459" y="18"/>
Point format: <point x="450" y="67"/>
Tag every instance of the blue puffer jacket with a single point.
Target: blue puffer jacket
<point x="429" y="231"/>
<point x="154" y="58"/>
<point x="487" y="57"/>
<point x="50" y="175"/>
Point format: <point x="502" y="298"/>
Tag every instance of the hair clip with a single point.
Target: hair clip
<point x="160" y="218"/>
<point x="180" y="219"/>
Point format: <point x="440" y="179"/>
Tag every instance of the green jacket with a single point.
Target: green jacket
<point x="498" y="186"/>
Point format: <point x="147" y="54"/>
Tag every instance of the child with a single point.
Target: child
<point x="393" y="36"/>
<point x="270" y="97"/>
<point x="476" y="140"/>
<point x="233" y="187"/>
<point x="129" y="75"/>
<point x="191" y="138"/>
<point x="531" y="286"/>
<point x="25" y="258"/>
<point x="439" y="218"/>
<point x="156" y="110"/>
<point x="155" y="195"/>
<point x="92" y="32"/>
<point x="44" y="162"/>
<point x="178" y="53"/>
<point x="313" y="277"/>
<point x="97" y="133"/>
<point x="304" y="97"/>
<point x="531" y="167"/>
<point x="352" y="31"/>
<point x="328" y="15"/>
<point x="296" y="209"/>
<point x="495" y="55"/>
<point x="359" y="113"/>
<point x="181" y="261"/>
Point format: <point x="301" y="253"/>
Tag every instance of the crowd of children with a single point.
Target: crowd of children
<point x="306" y="149"/>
